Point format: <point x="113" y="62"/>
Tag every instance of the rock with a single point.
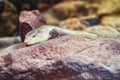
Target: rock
<point x="103" y="31"/>
<point x="65" y="58"/>
<point x="111" y="20"/>
<point x="107" y="6"/>
<point x="79" y="23"/>
<point x="69" y="9"/>
<point x="30" y="20"/>
<point x="7" y="41"/>
<point x="72" y="24"/>
<point x="8" y="18"/>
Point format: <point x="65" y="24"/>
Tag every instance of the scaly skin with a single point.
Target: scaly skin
<point x="47" y="32"/>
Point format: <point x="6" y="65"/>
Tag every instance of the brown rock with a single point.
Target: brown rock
<point x="72" y="23"/>
<point x="8" y="18"/>
<point x="68" y="9"/>
<point x="111" y="20"/>
<point x="79" y="23"/>
<point x="108" y="6"/>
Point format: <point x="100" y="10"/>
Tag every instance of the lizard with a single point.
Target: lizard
<point x="46" y="32"/>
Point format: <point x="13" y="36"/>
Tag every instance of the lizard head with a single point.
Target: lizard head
<point x="40" y="34"/>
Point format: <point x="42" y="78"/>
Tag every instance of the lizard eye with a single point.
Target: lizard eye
<point x="54" y="33"/>
<point x="34" y="35"/>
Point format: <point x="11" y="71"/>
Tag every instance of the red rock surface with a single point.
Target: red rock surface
<point x="30" y="20"/>
<point x="64" y="58"/>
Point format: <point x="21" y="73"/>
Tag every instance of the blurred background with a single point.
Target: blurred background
<point x="59" y="12"/>
<point x="94" y="16"/>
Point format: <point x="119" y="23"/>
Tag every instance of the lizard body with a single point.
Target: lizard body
<point x="47" y="32"/>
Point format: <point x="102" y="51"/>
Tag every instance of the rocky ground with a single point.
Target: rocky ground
<point x="62" y="58"/>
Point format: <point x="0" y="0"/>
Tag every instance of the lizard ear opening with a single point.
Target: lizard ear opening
<point x="54" y="33"/>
